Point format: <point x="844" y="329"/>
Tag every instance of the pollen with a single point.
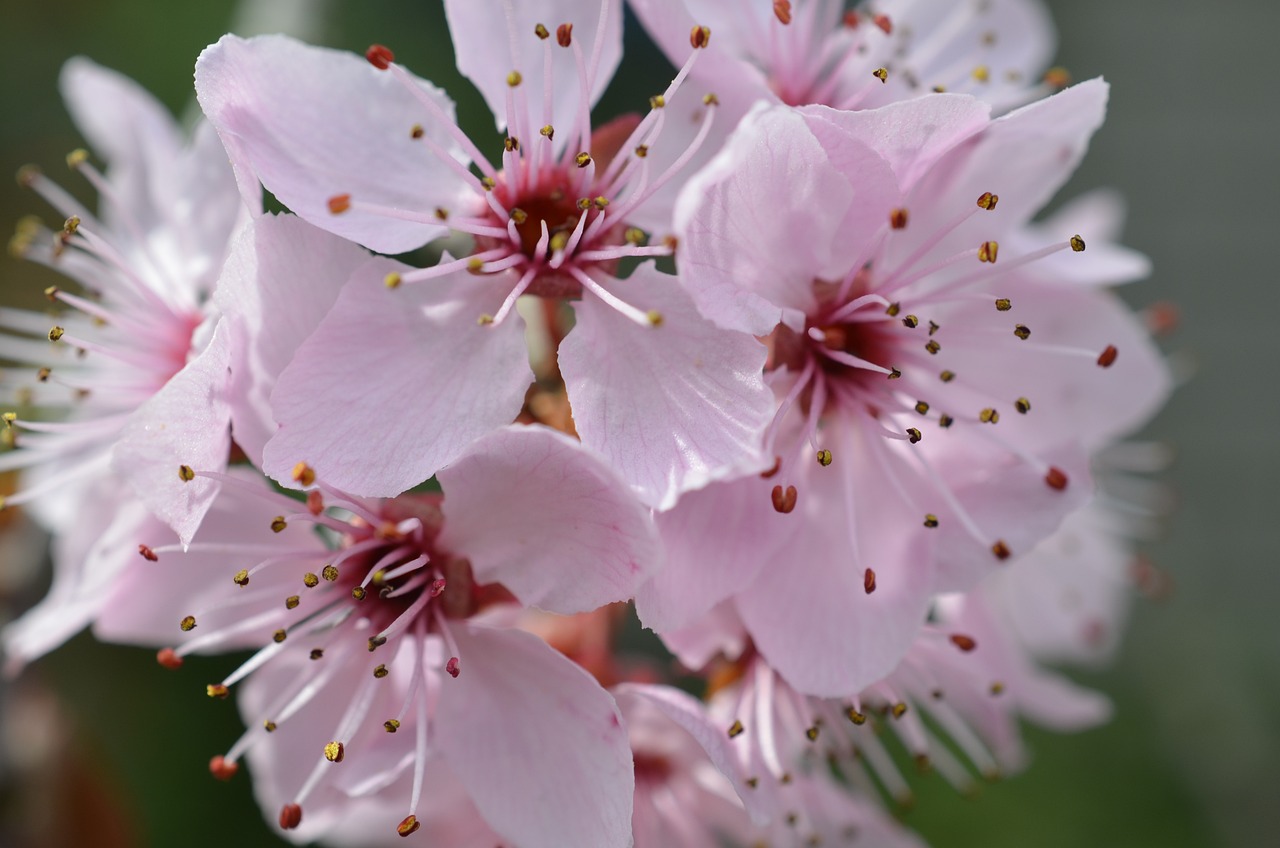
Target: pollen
<point x="188" y="624"/>
<point x="409" y="825"/>
<point x="77" y="157"/>
<point x="511" y="144"/>
<point x="869" y="581"/>
<point x="893" y="309"/>
<point x="945" y="421"/>
<point x="736" y="729"/>
<point x="824" y="457"/>
<point x="1077" y="244"/>
<point x="339" y="203"/>
<point x="988" y="251"/>
<point x="548" y="132"/>
<point x="982" y="73"/>
<point x="329" y="572"/>
<point x="699" y="37"/>
<point x="541" y="31"/>
<point x="657" y="101"/>
<point x="932" y="346"/>
<point x="881" y="74"/>
<point x="417" y="131"/>
<point x="376" y="642"/>
<point x="304" y="474"/>
<point x="359" y="593"/>
<point x="381" y="58"/>
<point x="947" y="376"/>
<point x="334" y="752"/>
<point x="310" y="580"/>
<point x="988" y="201"/>
<point x="898" y="710"/>
<point x="654" y="318"/>
<point x="812" y="733"/>
<point x="71" y="226"/>
<point x="269" y="726"/>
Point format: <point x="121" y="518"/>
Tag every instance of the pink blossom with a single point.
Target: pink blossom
<point x="949" y="434"/>
<point x="370" y="153"/>
<point x="137" y="365"/>
<point x="387" y="661"/>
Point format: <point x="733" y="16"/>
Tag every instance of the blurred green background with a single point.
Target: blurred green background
<point x="1193" y="756"/>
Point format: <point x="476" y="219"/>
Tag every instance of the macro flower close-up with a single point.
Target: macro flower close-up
<point x="636" y="424"/>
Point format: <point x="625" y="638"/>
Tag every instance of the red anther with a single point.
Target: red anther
<point x="169" y="658"/>
<point x="408" y="826"/>
<point x="564" y="35"/>
<point x="148" y="554"/>
<point x="315" y="502"/>
<point x="1162" y="317"/>
<point x="699" y="37"/>
<point x="869" y="581"/>
<point x="437" y="587"/>
<point x="380" y="56"/>
<point x="898" y="219"/>
<point x="782" y="11"/>
<point x="884" y="23"/>
<point x="1108" y="357"/>
<point x="223" y="770"/>
<point x="452" y="667"/>
<point x="777" y="466"/>
<point x="964" y="643"/>
<point x="851" y="20"/>
<point x="784" y="502"/>
<point x="1000" y="549"/>
<point x="339" y="203"/>
<point x="1056" y="478"/>
<point x="290" y="816"/>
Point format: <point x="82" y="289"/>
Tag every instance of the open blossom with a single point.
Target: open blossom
<point x="371" y="153"/>
<point x="139" y="327"/>
<point x="386" y="659"/>
<point x="948" y="397"/>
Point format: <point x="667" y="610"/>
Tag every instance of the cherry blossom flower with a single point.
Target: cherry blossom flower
<point x="949" y="435"/>
<point x="371" y="153"/>
<point x="387" y="667"/>
<point x="140" y="334"/>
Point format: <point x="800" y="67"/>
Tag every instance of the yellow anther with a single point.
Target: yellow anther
<point x="989" y="416"/>
<point x="988" y="200"/>
<point x="77" y="157"/>
<point x="514" y="79"/>
<point x="417" y="131"/>
<point x="710" y="99"/>
<point x="1004" y="304"/>
<point x="241" y="578"/>
<point x="511" y="144"/>
<point x="56" y="333"/>
<point x="911" y="322"/>
<point x="380" y="672"/>
<point x="488" y="183"/>
<point x="1022" y="331"/>
<point x="334" y="752"/>
<point x="269" y="726"/>
<point x="934" y="327"/>
<point x="824" y="457"/>
<point x="329" y="572"/>
<point x="930" y="520"/>
<point x="947" y="376"/>
<point x="893" y="309"/>
<point x="1022" y="405"/>
<point x="359" y="593"/>
<point x="914" y="435"/>
<point x="893" y="374"/>
<point x="634" y="236"/>
<point x="71" y="225"/>
<point x="442" y="214"/>
<point x="188" y="624"/>
<point x="881" y="74"/>
<point x="584" y="203"/>
<point x="642" y="150"/>
<point x="541" y="31"/>
<point x="655" y="318"/>
<point x="736" y="729"/>
<point x="899" y="710"/>
<point x="408" y="825"/>
<point x="292" y="602"/>
<point x="9" y="418"/>
<point x="28" y="174"/>
<point x="278" y="524"/>
<point x="997" y="688"/>
<point x="855" y="716"/>
<point x="699" y="37"/>
<point x="391" y="725"/>
<point x="982" y="73"/>
<point x="583" y="159"/>
<point x="1077" y="244"/>
<point x="812" y="733"/>
<point x="559" y="241"/>
<point x="932" y="346"/>
<point x="600" y="202"/>
<point x="475" y="264"/>
<point x="519" y="216"/>
<point x="310" y="580"/>
<point x="548" y="132"/>
<point x="657" y="101"/>
<point x="988" y="251"/>
<point x="922" y="407"/>
<point x="945" y="421"/>
<point x="484" y="320"/>
<point x="392" y="280"/>
<point x="304" y="474"/>
<point x="279" y="636"/>
<point x="216" y="690"/>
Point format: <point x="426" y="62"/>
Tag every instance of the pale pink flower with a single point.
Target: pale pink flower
<point x="137" y="367"/>
<point x="371" y="153"/>
<point x="953" y="397"/>
<point x="387" y="667"/>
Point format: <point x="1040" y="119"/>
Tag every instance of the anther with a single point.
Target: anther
<point x="945" y="421"/>
<point x="216" y="690"/>
<point x="334" y="752"/>
<point x="188" y="624"/>
<point x="221" y="769"/>
<point x="642" y="150"/>
<point x="391" y="725"/>
<point x="869" y="581"/>
<point x="710" y="99"/>
<point x="989" y="416"/>
<point x="391" y="281"/>
<point x="52" y="293"/>
<point x="292" y="602"/>
<point x="930" y="520"/>
<point x="988" y="251"/>
<point x="55" y="333"/>
<point x="241" y="578"/>
<point x="997" y="688"/>
<point x="43" y="376"/>
<point x="988" y="201"/>
<point x="453" y="667"/>
<point x="811" y="733"/>
<point x="1003" y="304"/>
<point x="339" y="203"/>
<point x="71" y="226"/>
<point x="1058" y="77"/>
<point x="934" y="327"/>
<point x="634" y="236"/>
<point x="911" y="322"/>
<point x="964" y="643"/>
<point x="657" y="101"/>
<point x="884" y="23"/>
<point x="782" y="11"/>
<point x="1108" y="356"/>
<point x="881" y="74"/>
<point x="442" y="214"/>
<point x="279" y="636"/>
<point x="278" y="524"/>
<point x="898" y="219"/>
<point x="310" y="580"/>
<point x="290" y="816"/>
<point x="982" y="73"/>
<point x="1077" y="244"/>
<point x="893" y="374"/>
<point x="359" y="593"/>
<point x="77" y="157"/>
<point x="317" y="653"/>
<point x="922" y="407"/>
<point x="1000" y="549"/>
<point x="1022" y="405"/>
<point x="898" y="710"/>
<point x="932" y="346"/>
<point x="654" y="317"/>
<point x="855" y="716"/>
<point x="186" y="473"/>
<point x="381" y="58"/>
<point x="488" y="183"/>
<point x="514" y="79"/>
<point x="770" y="472"/>
<point x="1056" y="478"/>
<point x="564" y="35"/>
<point x="28" y="174"/>
<point x="736" y="729"/>
<point x="329" y="572"/>
<point x="417" y="131"/>
<point x="381" y="671"/>
<point x="303" y="474"/>
<point x="269" y="726"/>
<point x="511" y="144"/>
<point x="914" y="435"/>
<point x="784" y="501"/>
<point x="409" y="825"/>
<point x="824" y="457"/>
<point x="376" y="642"/>
<point x="699" y="37"/>
<point x="851" y="19"/>
<point x="1022" y="331"/>
<point x="947" y="376"/>
<point x="893" y="309"/>
<point x="169" y="658"/>
<point x="146" y="553"/>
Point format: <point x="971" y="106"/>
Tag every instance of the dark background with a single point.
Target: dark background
<point x="105" y="749"/>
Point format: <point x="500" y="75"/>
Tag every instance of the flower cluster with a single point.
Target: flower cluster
<point x="787" y="361"/>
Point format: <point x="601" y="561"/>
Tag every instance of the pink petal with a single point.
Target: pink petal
<point x="281" y="279"/>
<point x="186" y="423"/>
<point x="718" y="633"/>
<point x="717" y="540"/>
<point x="539" y="513"/>
<point x="671" y="407"/>
<point x="313" y="123"/>
<point x="770" y="215"/>
<point x="395" y="384"/>
<point x="486" y="32"/>
<point x="537" y="742"/>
